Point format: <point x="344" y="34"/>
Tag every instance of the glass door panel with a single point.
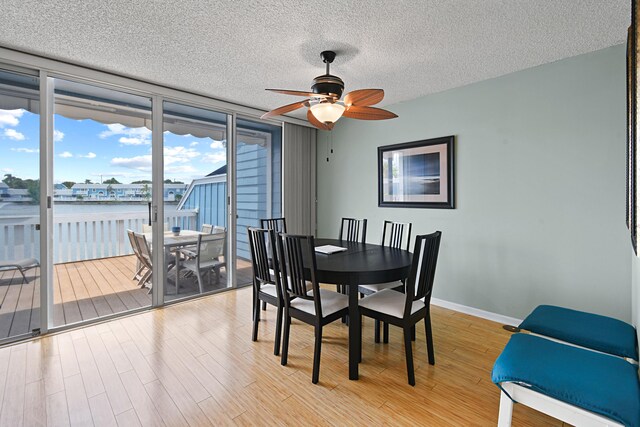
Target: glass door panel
<point x="101" y="199"/>
<point x="19" y="205"/>
<point x="258" y="184"/>
<point x="195" y="200"/>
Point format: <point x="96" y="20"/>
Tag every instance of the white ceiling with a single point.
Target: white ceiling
<point x="233" y="50"/>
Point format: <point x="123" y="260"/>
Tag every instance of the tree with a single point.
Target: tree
<point x="168" y="181"/>
<point x="88" y="181"/>
<point x="111" y="181"/>
<point x="68" y="184"/>
<point x="146" y="192"/>
<point x="33" y="187"/>
<point x="142" y="181"/>
<point x="109" y="190"/>
<point x="178" y="197"/>
<point x="14" y="181"/>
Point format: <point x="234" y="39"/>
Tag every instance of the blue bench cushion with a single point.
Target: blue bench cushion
<point x="597" y="382"/>
<point x="589" y="330"/>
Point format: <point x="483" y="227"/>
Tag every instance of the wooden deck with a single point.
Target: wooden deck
<point x="86" y="290"/>
<point x="194" y="364"/>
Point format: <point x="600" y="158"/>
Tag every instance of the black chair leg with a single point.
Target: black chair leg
<point x="409" y="355"/>
<point x="316" y="356"/>
<point x="360" y="340"/>
<point x="413" y="333"/>
<point x="256" y="320"/>
<point x="264" y="306"/>
<point x="385" y="332"/>
<point x="376" y="332"/>
<point x="427" y="330"/>
<point x="276" y="344"/>
<point x="285" y="339"/>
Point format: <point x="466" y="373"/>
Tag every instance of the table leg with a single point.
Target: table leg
<point x="177" y="269"/>
<point x="354" y="332"/>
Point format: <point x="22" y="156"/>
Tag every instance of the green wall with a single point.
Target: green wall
<point x="540" y="186"/>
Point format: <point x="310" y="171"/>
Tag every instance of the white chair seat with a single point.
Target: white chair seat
<point x="331" y="302"/>
<point x="389" y="302"/>
<point x="377" y="287"/>
<point x="269" y="289"/>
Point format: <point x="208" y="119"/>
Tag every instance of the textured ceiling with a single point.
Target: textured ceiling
<point x="233" y="50"/>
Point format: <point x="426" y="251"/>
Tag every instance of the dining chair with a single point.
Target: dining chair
<point x="209" y="249"/>
<point x="394" y="235"/>
<point x="266" y="279"/>
<point x="141" y="267"/>
<point x="405" y="310"/>
<point x="353" y="230"/>
<point x="206" y="228"/>
<point x="277" y="224"/>
<point x="145" y="259"/>
<point x="316" y="307"/>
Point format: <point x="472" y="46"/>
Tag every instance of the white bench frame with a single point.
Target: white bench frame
<point x="563" y="411"/>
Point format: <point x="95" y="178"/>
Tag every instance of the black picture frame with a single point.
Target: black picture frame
<point x="632" y="126"/>
<point x="417" y="174"/>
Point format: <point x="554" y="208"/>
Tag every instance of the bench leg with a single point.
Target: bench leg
<point x="506" y="410"/>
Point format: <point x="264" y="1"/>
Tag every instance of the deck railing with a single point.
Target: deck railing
<point x="78" y="237"/>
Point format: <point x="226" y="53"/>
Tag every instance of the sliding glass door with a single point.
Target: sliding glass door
<point x="101" y="196"/>
<point x="195" y="200"/>
<point x="258" y="171"/>
<point x="19" y="205"/>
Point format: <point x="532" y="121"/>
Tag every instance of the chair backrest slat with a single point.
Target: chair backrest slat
<point x="423" y="269"/>
<point x="353" y="230"/>
<point x="296" y="253"/>
<point x="279" y="225"/>
<point x="143" y="248"/>
<point x="393" y="234"/>
<point x="263" y="265"/>
<point x="206" y="228"/>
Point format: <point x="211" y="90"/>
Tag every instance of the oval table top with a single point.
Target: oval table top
<point x="361" y="263"/>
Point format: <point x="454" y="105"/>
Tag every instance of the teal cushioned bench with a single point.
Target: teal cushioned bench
<point x="596" y="382"/>
<point x="588" y="330"/>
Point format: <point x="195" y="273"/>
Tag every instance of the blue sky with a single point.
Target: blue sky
<point x="85" y="149"/>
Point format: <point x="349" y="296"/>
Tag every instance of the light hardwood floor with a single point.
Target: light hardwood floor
<point x="194" y="364"/>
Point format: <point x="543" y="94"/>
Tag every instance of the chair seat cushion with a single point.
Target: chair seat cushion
<point x="588" y="330"/>
<point x="331" y="302"/>
<point x="377" y="287"/>
<point x="20" y="263"/>
<point x="389" y="302"/>
<point x="269" y="289"/>
<point x="596" y="382"/>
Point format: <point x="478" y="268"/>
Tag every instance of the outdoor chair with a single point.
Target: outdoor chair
<point x="21" y="265"/>
<point x="209" y="249"/>
<point x="405" y="310"/>
<point x="142" y="271"/>
<point x="352" y="230"/>
<point x="394" y="235"/>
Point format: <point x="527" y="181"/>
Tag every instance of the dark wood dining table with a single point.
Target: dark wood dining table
<point x="360" y="264"/>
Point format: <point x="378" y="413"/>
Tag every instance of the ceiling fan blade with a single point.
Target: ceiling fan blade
<point x="284" y="109"/>
<point x="299" y="93"/>
<point x="317" y="123"/>
<point x="368" y="113"/>
<point x="363" y="97"/>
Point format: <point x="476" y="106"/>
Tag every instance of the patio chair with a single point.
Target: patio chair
<point x="209" y="249"/>
<point x="21" y="265"/>
<point x="146" y="259"/>
<point x="141" y="267"/>
<point x="206" y="228"/>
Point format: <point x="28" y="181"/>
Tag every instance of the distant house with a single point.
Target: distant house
<point x="121" y="192"/>
<point x="14" y="194"/>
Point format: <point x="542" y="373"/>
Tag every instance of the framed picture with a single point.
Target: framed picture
<point x="417" y="174"/>
<point x="632" y="124"/>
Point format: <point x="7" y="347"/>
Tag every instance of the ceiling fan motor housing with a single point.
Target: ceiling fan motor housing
<point x="328" y="85"/>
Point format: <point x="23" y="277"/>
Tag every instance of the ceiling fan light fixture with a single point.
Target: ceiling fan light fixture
<point x="327" y="112"/>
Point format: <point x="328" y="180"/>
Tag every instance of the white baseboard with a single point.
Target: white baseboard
<point x="505" y="320"/>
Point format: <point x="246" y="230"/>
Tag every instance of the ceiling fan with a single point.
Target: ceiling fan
<point x="324" y="104"/>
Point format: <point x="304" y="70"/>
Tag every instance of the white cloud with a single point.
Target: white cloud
<point x="179" y="154"/>
<point x="215" y="157"/>
<point x="129" y="136"/>
<point x="7" y="170"/>
<point x="10" y="117"/>
<point x="65" y="155"/>
<point x="25" y="150"/>
<point x="217" y="145"/>
<point x="194" y="143"/>
<point x="132" y="140"/>
<point x="13" y="134"/>
<point x="58" y="135"/>
<point x="89" y="155"/>
<point x="142" y="163"/>
<point x="179" y="169"/>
